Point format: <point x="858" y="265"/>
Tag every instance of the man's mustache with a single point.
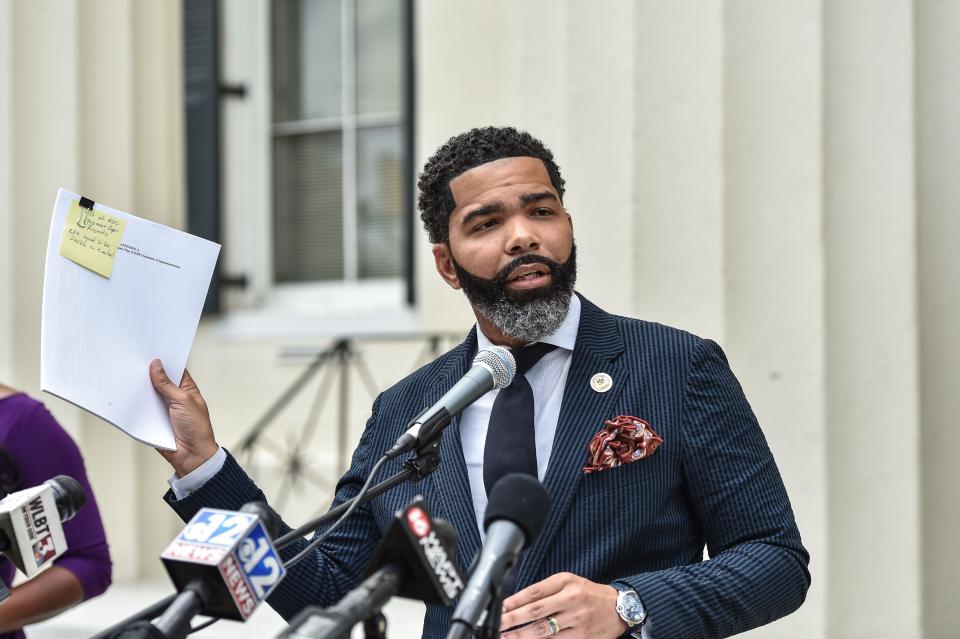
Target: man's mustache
<point x="500" y="279"/>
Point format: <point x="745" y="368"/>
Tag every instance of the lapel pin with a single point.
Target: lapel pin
<point x="601" y="382"/>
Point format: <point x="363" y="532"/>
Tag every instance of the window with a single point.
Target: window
<point x="338" y="140"/>
<point x="316" y="154"/>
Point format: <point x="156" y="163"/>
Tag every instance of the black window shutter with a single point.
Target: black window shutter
<point x="410" y="171"/>
<point x="202" y="109"/>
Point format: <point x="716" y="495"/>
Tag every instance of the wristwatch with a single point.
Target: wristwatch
<point x="630" y="608"/>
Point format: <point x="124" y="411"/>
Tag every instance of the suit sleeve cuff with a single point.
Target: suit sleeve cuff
<point x="186" y="486"/>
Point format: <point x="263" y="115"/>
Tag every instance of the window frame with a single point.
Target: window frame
<point x="246" y="173"/>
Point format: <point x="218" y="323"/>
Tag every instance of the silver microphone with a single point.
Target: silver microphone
<point x="493" y="367"/>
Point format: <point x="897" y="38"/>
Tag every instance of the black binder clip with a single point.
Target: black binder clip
<point x="86" y="206"/>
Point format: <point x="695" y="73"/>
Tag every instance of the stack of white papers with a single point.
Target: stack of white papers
<point x="119" y="291"/>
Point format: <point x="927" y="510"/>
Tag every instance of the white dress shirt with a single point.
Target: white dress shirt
<point x="547" y="378"/>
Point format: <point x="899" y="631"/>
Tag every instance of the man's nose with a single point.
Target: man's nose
<point x="522" y="237"/>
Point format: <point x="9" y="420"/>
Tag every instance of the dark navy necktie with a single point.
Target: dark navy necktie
<point x="511" y="445"/>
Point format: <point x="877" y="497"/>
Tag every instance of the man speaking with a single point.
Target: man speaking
<point x="640" y="432"/>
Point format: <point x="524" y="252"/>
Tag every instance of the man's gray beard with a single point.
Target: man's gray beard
<point x="527" y="321"/>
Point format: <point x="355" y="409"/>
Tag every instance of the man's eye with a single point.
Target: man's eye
<point x="483" y="226"/>
<point x="543" y="212"/>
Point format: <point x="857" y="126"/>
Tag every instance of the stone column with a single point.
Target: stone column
<point x="871" y="287"/>
<point x="937" y="36"/>
<point x="773" y="248"/>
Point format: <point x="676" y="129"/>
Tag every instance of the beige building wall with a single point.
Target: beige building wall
<point x="937" y="147"/>
<point x="773" y="256"/>
<point x="873" y="419"/>
<point x="6" y="174"/>
<point x="773" y="174"/>
<point x="92" y="95"/>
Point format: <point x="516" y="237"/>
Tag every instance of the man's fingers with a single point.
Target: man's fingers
<point x="536" y="630"/>
<point x="539" y="609"/>
<point x="541" y="628"/>
<point x="160" y="380"/>
<point x="549" y="586"/>
<point x="165" y="385"/>
<point x="187" y="383"/>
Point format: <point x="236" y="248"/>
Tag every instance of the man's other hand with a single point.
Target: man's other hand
<point x="580" y="608"/>
<point x="190" y="419"/>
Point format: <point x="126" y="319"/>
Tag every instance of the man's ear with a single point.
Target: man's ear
<point x="444" y="261"/>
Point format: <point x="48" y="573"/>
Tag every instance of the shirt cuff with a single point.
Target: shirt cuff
<point x="185" y="486"/>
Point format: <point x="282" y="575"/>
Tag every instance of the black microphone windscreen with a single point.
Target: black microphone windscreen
<point x="269" y="517"/>
<point x="521" y="499"/>
<point x="69" y="495"/>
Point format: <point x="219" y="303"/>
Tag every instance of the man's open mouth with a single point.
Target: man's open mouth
<point x="529" y="274"/>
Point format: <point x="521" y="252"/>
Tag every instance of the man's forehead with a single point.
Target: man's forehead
<point x="472" y="183"/>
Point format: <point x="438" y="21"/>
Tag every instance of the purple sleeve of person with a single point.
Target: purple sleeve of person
<point x="42" y="449"/>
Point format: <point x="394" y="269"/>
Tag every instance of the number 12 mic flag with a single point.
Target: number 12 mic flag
<point x="230" y="555"/>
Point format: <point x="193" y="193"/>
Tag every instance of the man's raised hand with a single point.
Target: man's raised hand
<point x="190" y="419"/>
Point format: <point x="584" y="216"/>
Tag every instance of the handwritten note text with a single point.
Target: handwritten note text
<point x="90" y="238"/>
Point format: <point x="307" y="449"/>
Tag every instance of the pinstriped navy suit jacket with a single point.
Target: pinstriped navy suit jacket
<point x="713" y="482"/>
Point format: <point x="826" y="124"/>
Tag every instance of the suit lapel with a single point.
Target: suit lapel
<point x="582" y="414"/>
<point x="450" y="481"/>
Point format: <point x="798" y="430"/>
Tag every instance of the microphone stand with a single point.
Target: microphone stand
<point x="490" y="628"/>
<point x="426" y="461"/>
<point x="120" y="629"/>
<point x="375" y="627"/>
<point x="174" y="623"/>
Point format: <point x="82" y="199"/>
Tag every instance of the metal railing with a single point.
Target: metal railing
<point x="329" y="373"/>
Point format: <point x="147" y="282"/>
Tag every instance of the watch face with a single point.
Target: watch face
<point x="630" y="608"/>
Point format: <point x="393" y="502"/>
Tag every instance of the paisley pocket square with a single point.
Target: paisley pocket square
<point x="623" y="440"/>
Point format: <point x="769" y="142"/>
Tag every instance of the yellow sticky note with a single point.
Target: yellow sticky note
<point x="91" y="238"/>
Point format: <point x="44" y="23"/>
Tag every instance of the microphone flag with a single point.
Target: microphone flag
<point x="415" y="559"/>
<point x="31" y="529"/>
<point x="232" y="555"/>
<point x="426" y="548"/>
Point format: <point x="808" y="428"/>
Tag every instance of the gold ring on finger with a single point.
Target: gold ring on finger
<point x="554" y="626"/>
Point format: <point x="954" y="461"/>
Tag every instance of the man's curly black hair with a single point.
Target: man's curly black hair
<point x="466" y="151"/>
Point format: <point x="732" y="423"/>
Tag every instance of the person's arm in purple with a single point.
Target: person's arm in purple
<point x="46" y="595"/>
<point x="42" y="449"/>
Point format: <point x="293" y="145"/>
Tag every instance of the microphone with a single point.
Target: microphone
<point x="31" y="530"/>
<point x="516" y="513"/>
<point x="414" y="560"/>
<point x="493" y="367"/>
<point x="224" y="564"/>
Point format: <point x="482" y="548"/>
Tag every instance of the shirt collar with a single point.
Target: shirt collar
<point x="565" y="336"/>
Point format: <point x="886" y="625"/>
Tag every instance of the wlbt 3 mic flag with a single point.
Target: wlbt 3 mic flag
<point x="31" y="522"/>
<point x="229" y="557"/>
